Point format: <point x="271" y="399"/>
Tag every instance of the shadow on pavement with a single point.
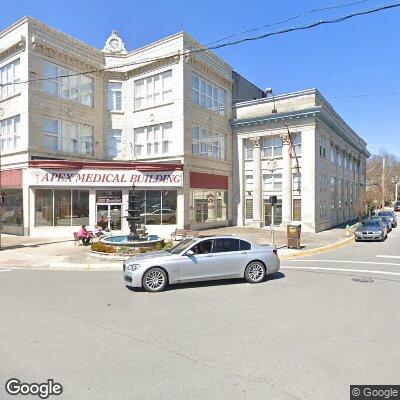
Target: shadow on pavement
<point x="33" y="245"/>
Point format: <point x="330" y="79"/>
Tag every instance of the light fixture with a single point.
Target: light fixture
<point x="268" y="91"/>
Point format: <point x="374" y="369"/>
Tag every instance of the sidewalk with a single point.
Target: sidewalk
<point x="62" y="253"/>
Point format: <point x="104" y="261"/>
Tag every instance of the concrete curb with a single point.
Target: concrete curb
<point x="90" y="266"/>
<point x="317" y="250"/>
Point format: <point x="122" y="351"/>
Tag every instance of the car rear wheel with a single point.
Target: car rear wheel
<point x="255" y="272"/>
<point x="155" y="280"/>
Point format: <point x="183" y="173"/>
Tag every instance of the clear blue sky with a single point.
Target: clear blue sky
<point x="360" y="56"/>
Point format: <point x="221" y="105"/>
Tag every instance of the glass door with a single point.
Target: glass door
<point x="109" y="216"/>
<point x="268" y="213"/>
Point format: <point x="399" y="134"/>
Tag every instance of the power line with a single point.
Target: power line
<point x="289" y="19"/>
<point x="367" y="95"/>
<point x="232" y="43"/>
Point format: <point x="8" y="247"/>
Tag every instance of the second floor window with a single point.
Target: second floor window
<point x="67" y="137"/>
<point x="207" y="95"/>
<point x="296" y="140"/>
<point x="272" y="146"/>
<point x="9" y="79"/>
<point x="207" y="143"/>
<point x="322" y="146"/>
<point x="153" y="90"/>
<point x="66" y="84"/>
<point x="115" y="96"/>
<point x="10" y="133"/>
<point x="272" y="182"/>
<point x="153" y="140"/>
<point x="114" y="143"/>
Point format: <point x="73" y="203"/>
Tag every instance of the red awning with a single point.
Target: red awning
<point x="208" y="181"/>
<point x="11" y="178"/>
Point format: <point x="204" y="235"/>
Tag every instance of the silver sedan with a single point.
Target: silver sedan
<point x="218" y="257"/>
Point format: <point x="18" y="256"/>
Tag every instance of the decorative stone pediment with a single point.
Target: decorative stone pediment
<point x="114" y="44"/>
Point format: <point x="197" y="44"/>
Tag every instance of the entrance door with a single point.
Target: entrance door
<point x="268" y="213"/>
<point x="111" y="213"/>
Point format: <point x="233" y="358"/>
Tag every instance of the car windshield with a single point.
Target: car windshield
<point x="182" y="246"/>
<point x="371" y="222"/>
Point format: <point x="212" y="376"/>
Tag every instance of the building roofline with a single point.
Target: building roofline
<point x="15" y="25"/>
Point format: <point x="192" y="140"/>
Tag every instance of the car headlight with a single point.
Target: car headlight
<point x="132" y="267"/>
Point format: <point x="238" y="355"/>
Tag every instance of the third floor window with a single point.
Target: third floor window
<point x="207" y="95"/>
<point x="9" y="79"/>
<point x="115" y="96"/>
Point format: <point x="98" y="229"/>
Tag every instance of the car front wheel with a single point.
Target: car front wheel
<point x="155" y="280"/>
<point x="255" y="272"/>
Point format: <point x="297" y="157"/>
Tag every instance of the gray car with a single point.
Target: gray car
<point x="390" y="214"/>
<point x="371" y="229"/>
<point x="213" y="258"/>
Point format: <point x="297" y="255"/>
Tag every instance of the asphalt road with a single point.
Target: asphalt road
<point x="306" y="334"/>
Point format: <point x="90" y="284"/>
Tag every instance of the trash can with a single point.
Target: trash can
<point x="293" y="236"/>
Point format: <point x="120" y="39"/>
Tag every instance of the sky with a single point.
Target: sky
<point x="346" y="62"/>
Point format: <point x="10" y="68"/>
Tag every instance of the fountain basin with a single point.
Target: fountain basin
<point x="122" y="240"/>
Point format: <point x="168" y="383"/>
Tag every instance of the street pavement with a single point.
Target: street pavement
<point x="307" y="333"/>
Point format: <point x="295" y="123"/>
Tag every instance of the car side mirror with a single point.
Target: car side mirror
<point x="189" y="253"/>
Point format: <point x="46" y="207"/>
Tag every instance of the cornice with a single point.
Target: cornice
<point x="208" y="70"/>
<point x="317" y="112"/>
<point x="43" y="47"/>
<point x="13" y="49"/>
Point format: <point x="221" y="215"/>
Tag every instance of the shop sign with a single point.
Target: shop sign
<point x="101" y="178"/>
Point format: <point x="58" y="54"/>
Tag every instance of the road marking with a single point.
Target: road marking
<point x="365" y="271"/>
<point x="348" y="262"/>
<point x="383" y="256"/>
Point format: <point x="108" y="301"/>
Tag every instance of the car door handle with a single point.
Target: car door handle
<point x="209" y="256"/>
<point x="244" y="252"/>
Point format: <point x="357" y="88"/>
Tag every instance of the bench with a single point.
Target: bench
<point x="76" y="239"/>
<point x="183" y="233"/>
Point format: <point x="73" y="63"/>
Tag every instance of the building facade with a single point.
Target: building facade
<point x="297" y="148"/>
<point x="80" y="125"/>
<point x="62" y="99"/>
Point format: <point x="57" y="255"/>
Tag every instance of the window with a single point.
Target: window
<point x="10" y="133"/>
<point x="67" y="137"/>
<point x="323" y="182"/>
<point x="249" y="182"/>
<point x="153" y="90"/>
<point x="225" y="245"/>
<point x="208" y="205"/>
<point x="207" y="143"/>
<point x="322" y="208"/>
<point x="203" y="247"/>
<point x="339" y="158"/>
<point x="61" y="207"/>
<point x="249" y="209"/>
<point x="322" y="146"/>
<point x="114" y="96"/>
<point x="11" y="208"/>
<point x="249" y="150"/>
<point x="296" y="179"/>
<point x="296" y="209"/>
<point x="158" y="207"/>
<point x="296" y="140"/>
<point x="272" y="146"/>
<point x="153" y="140"/>
<point x="114" y="143"/>
<point x="333" y="155"/>
<point x="66" y="84"/>
<point x="333" y="197"/>
<point x="272" y="182"/>
<point x="207" y="95"/>
<point x="9" y="79"/>
<point x="245" y="245"/>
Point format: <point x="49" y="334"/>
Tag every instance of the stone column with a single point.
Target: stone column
<point x="257" y="183"/>
<point x="286" y="181"/>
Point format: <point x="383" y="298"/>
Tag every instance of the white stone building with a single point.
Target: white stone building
<point x="79" y="124"/>
<point x="296" y="147"/>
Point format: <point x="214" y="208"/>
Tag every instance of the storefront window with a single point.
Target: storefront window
<point x="209" y="205"/>
<point x="61" y="207"/>
<point x="11" y="207"/>
<point x="158" y="207"/>
<point x="43" y="207"/>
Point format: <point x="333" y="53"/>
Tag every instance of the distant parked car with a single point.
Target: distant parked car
<point x="217" y="257"/>
<point x="390" y="214"/>
<point x="397" y="206"/>
<point x="386" y="221"/>
<point x="371" y="229"/>
<point x="154" y="217"/>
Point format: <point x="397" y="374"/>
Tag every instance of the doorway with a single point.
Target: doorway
<point x="111" y="213"/>
<point x="268" y="213"/>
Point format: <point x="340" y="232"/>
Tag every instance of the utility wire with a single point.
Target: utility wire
<point x="288" y="20"/>
<point x="218" y="46"/>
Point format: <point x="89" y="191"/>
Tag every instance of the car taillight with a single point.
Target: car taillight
<point x="275" y="251"/>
